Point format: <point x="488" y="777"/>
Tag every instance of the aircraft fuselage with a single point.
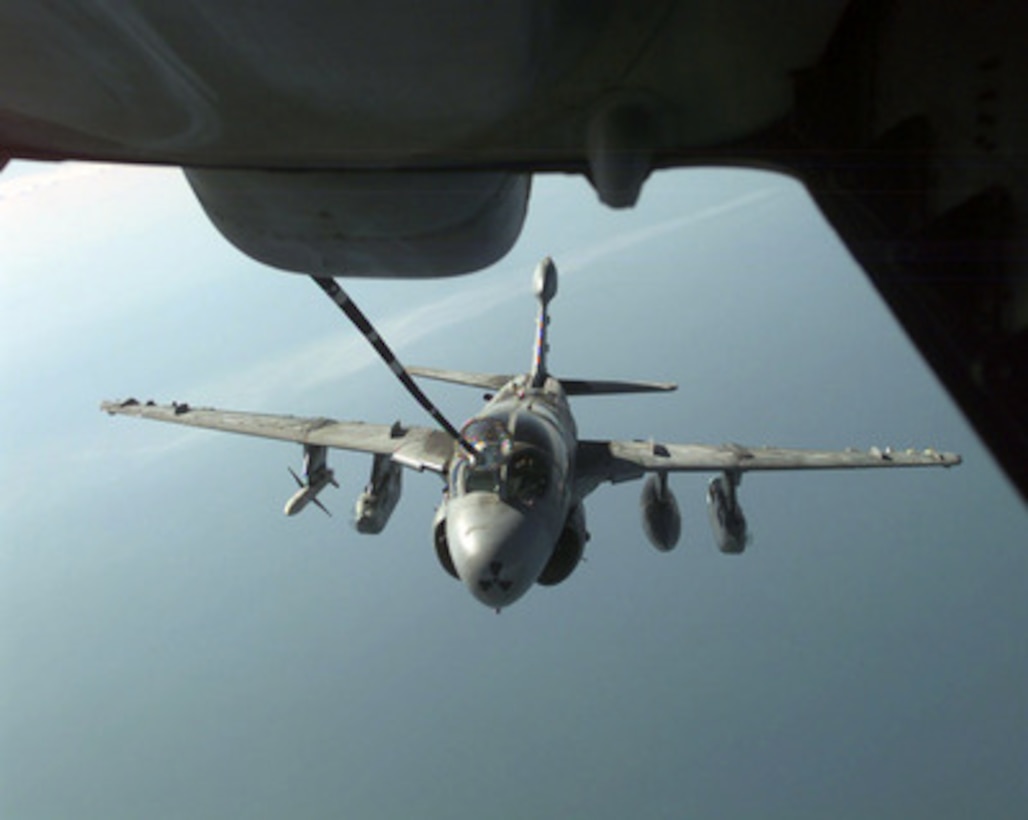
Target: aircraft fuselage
<point x="507" y="505"/>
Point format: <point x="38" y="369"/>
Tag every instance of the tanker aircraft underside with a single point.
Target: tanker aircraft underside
<point x="517" y="475"/>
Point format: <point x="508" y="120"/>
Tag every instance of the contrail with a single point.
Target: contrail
<point x="577" y="260"/>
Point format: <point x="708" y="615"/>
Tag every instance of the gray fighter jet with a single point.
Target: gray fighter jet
<point x="517" y="475"/>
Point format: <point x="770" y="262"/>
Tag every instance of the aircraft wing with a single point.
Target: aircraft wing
<point x="614" y="461"/>
<point x="420" y="448"/>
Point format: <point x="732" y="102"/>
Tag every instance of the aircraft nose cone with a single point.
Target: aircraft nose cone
<point x="498" y="551"/>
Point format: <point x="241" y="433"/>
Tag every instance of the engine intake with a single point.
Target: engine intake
<point x="441" y="544"/>
<point x="568" y="551"/>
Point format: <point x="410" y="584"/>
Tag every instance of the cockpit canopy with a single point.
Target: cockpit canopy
<point x="518" y="471"/>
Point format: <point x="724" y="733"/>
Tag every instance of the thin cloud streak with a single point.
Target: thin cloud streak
<point x="342" y="354"/>
<point x="580" y="259"/>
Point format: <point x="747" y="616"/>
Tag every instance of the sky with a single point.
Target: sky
<point x="173" y="646"/>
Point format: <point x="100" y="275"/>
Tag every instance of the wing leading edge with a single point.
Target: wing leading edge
<point x="615" y="461"/>
<point x="419" y="448"/>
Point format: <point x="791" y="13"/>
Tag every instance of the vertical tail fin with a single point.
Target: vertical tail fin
<point x="544" y="283"/>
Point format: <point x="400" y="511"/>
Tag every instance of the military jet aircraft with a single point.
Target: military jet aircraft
<point x="517" y="475"/>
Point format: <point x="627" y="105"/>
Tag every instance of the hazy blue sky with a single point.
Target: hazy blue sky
<point x="173" y="646"/>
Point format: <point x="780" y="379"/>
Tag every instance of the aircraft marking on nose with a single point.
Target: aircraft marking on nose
<point x="486" y="584"/>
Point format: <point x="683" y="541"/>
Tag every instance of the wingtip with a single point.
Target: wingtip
<point x="944" y="458"/>
<point x="111" y="407"/>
